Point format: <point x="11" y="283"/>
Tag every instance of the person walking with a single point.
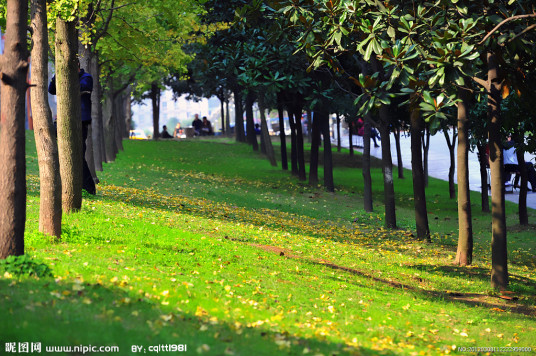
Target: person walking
<point x="86" y="87"/>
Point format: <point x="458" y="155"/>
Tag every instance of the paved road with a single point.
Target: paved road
<point x="439" y="162"/>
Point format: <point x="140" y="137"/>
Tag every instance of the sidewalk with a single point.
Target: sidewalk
<point x="439" y="162"/>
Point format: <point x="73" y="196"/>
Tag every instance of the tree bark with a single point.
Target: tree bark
<point x="227" y="117"/>
<point x="483" y="161"/>
<point x="338" y="133"/>
<point x="69" y="112"/>
<point x="329" y="184"/>
<point x="387" y="169"/>
<point x="14" y="69"/>
<point x="282" y="136"/>
<point x="522" y="203"/>
<point x="464" y="254"/>
<point x="400" y="165"/>
<point x="315" y="144"/>
<point x="425" y="150"/>
<point x="499" y="254"/>
<point x="155" y="102"/>
<point x="239" y="115"/>
<point x="452" y="167"/>
<point x="293" y="143"/>
<point x="250" y="125"/>
<point x="419" y="194"/>
<point x="45" y="138"/>
<point x="351" y="138"/>
<point x="367" y="178"/>
<point x="97" y="121"/>
<point x="269" y="149"/>
<point x="109" y="127"/>
<point x="222" y="108"/>
<point x="302" y="175"/>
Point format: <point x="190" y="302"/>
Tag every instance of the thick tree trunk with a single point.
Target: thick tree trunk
<point x="452" y="167"/>
<point x="45" y="138"/>
<point x="367" y="178"/>
<point x="421" y="213"/>
<point x="464" y="255"/>
<point x="400" y="164"/>
<point x="338" y="133"/>
<point x="387" y="169"/>
<point x="239" y="116"/>
<point x="282" y="136"/>
<point x="329" y="184"/>
<point x="69" y="112"/>
<point x="483" y="161"/>
<point x="250" y="124"/>
<point x="499" y="254"/>
<point x="14" y="69"/>
<point x="155" y="102"/>
<point x="315" y="144"/>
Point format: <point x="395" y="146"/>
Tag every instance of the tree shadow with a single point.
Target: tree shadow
<point x="73" y="314"/>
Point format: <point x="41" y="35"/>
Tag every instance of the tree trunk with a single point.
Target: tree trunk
<point x="367" y="179"/>
<point x="155" y="101"/>
<point x="97" y="122"/>
<point x="499" y="255"/>
<point x="396" y="133"/>
<point x="338" y="133"/>
<point x="302" y="175"/>
<point x="483" y="161"/>
<point x="425" y="149"/>
<point x="250" y="124"/>
<point x="45" y="138"/>
<point x="464" y="255"/>
<point x="14" y="69"/>
<point x="227" y="118"/>
<point x="522" y="203"/>
<point x="119" y="116"/>
<point x="269" y="149"/>
<point x="419" y="194"/>
<point x="328" y="158"/>
<point x="109" y="128"/>
<point x="350" y="138"/>
<point x="293" y="143"/>
<point x="309" y="123"/>
<point x="387" y="169"/>
<point x="239" y="116"/>
<point x="69" y="112"/>
<point x="222" y="108"/>
<point x="282" y="136"/>
<point x="452" y="167"/>
<point x="315" y="144"/>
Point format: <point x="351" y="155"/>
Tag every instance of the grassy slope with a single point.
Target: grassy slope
<point x="204" y="243"/>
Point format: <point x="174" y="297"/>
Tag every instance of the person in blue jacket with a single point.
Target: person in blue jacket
<point x="86" y="87"/>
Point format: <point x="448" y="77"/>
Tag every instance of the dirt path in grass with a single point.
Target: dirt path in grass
<point x="506" y="302"/>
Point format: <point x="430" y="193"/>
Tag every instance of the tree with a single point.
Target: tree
<point x="50" y="211"/>
<point x="69" y="121"/>
<point x="14" y="68"/>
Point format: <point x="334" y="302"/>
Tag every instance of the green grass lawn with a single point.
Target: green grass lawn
<point x="203" y="243"/>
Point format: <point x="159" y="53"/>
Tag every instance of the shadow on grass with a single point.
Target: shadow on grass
<point x="498" y="303"/>
<point x="72" y="314"/>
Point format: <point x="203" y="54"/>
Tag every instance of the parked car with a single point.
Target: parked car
<point x="137" y="135"/>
